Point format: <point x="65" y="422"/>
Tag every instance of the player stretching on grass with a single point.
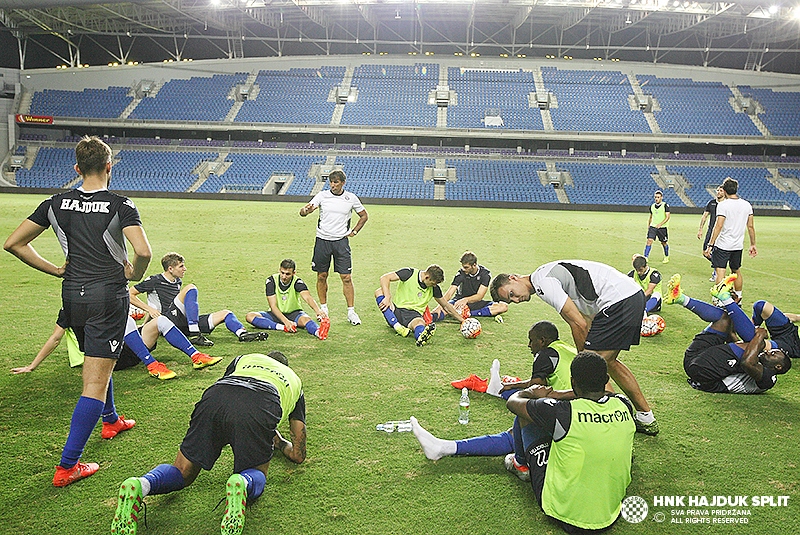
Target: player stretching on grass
<point x="91" y="224"/>
<point x="284" y="291"/>
<point x="716" y="363"/>
<point x="244" y="409"/>
<point x="415" y="289"/>
<point x="468" y="289"/>
<point x="164" y="290"/>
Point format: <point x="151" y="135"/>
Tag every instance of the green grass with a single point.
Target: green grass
<point x="356" y="479"/>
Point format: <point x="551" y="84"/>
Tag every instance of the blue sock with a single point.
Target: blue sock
<point x="489" y="445"/>
<point x="439" y="316"/>
<point x="418" y="331"/>
<point x="519" y="447"/>
<point x="256" y="481"/>
<point x="647" y="250"/>
<point x="164" y="478"/>
<point x="741" y="323"/>
<point x="666" y="250"/>
<point x="109" y="410"/>
<point x="758" y="308"/>
<point x="263" y="322"/>
<point x="134" y="341"/>
<point x="233" y="324"/>
<point x="192" y="308"/>
<point x="505" y="394"/>
<point x="84" y="418"/>
<point x="482" y="312"/>
<point x="651" y="304"/>
<point x="312" y="327"/>
<point x="391" y="319"/>
<point x="705" y="311"/>
<point x="178" y="340"/>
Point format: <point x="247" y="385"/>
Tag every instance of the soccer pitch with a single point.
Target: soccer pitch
<point x="359" y="480"/>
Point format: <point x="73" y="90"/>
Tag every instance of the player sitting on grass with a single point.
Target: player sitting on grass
<point x="284" y="291"/>
<point x="650" y="281"/>
<point x="414" y="291"/>
<point x="164" y="290"/>
<point x="138" y="344"/>
<point x="244" y="409"/>
<point x="468" y="289"/>
<point x="716" y="363"/>
<point x="551" y="360"/>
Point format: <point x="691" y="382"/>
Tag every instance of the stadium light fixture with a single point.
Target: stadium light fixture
<point x="773" y="9"/>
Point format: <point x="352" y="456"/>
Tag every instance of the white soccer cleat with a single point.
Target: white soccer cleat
<point x="353" y="318"/>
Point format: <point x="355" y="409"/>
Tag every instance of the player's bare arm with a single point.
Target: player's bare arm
<point x="19" y="244"/>
<point x="362" y="220"/>
<point x="141" y="252"/>
<point x="307" y="209"/>
<point x="750" y="362"/>
<point x="577" y="323"/>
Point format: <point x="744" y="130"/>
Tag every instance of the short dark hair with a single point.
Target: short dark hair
<point x="730" y="185"/>
<point x="589" y="372"/>
<point x="288" y="263"/>
<point x="171" y="259"/>
<point x="498" y="282"/>
<point x="639" y="262"/>
<point x="659" y="192"/>
<point x="436" y="273"/>
<point x="469" y="258"/>
<point x="92" y="155"/>
<point x="545" y="329"/>
<point x="338" y="175"/>
<point x="280" y="357"/>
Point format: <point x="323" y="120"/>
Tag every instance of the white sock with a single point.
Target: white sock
<point x="324" y="308"/>
<point x="434" y="448"/>
<point x="240" y="332"/>
<point x="145" y="486"/>
<point x="495" y="382"/>
<point x="645" y="417"/>
<point x="351" y="309"/>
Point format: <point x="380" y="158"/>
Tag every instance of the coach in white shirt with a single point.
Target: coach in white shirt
<point x="333" y="231"/>
<point x="725" y="246"/>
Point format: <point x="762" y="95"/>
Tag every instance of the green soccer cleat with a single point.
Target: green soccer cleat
<point x="236" y="494"/>
<point x="201" y="360"/>
<point x="129" y="504"/>
<point x="666" y="260"/>
<point x="648" y="429"/>
<point x="402" y="331"/>
<point x="722" y="291"/>
<point x="426" y="334"/>
<point x="674" y="294"/>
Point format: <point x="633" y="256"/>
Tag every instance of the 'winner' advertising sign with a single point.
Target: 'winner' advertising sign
<point x="34" y="119"/>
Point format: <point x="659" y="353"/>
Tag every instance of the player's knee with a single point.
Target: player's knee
<point x="322" y="276"/>
<point x="346" y="278"/>
<point x="251" y="316"/>
<point x="378" y="293"/>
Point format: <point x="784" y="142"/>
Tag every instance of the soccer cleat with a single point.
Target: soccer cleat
<point x="201" y="360"/>
<point x="509" y="380"/>
<point x="236" y="495"/>
<point x="522" y="472"/>
<point x="648" y="429"/>
<point x="111" y="430"/>
<point x="722" y="291"/>
<point x="426" y="334"/>
<point x="65" y="476"/>
<point x="402" y="331"/>
<point x="353" y="318"/>
<point x="666" y="260"/>
<point x="253" y="337"/>
<point x="200" y="340"/>
<point x="324" y="327"/>
<point x="499" y="319"/>
<point x="129" y="503"/>
<point x="160" y="371"/>
<point x="473" y="382"/>
<point x="673" y="290"/>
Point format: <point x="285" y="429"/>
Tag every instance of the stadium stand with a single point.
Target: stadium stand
<point x="387" y="177"/>
<point x="600" y="183"/>
<point x="143" y="170"/>
<point x="753" y="185"/>
<point x="99" y="103"/>
<point x="781" y="109"/>
<point x="498" y="180"/>
<point x="248" y="169"/>
<point x="53" y="169"/>
<point x="195" y="99"/>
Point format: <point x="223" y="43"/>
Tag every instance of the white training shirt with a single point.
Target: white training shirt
<point x="591" y="285"/>
<point x="334" y="213"/>
<point x="736" y="212"/>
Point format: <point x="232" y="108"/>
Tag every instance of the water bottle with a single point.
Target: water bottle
<point x="463" y="407"/>
<point x="391" y="427"/>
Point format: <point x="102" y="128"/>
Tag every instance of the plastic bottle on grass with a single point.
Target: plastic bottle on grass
<point x="463" y="407"/>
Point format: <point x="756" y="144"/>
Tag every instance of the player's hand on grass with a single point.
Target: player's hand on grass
<point x="24" y="369"/>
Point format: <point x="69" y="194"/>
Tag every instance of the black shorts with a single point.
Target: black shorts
<point x="705" y="361"/>
<point x="619" y="326"/>
<point x="477" y="305"/>
<point x="657" y="233"/>
<point x="338" y="249"/>
<point x="405" y="315"/>
<point x="291" y="316"/>
<point x="227" y="414"/>
<point x="720" y="258"/>
<point x="786" y="337"/>
<point x="99" y="327"/>
<point x="177" y="317"/>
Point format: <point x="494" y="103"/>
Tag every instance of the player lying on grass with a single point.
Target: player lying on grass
<point x="574" y="445"/>
<point x="414" y="290"/>
<point x="138" y="345"/>
<point x="468" y="289"/>
<point x="781" y="326"/>
<point x="284" y="291"/>
<point x="714" y="361"/>
<point x="165" y="291"/>
<point x="551" y="360"/>
<point x="244" y="409"/>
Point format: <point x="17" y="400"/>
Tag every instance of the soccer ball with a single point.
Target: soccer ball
<point x="135" y="313"/>
<point x="470" y="328"/>
<point x="652" y="325"/>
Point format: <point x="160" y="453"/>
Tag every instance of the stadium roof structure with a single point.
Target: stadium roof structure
<point x="743" y="34"/>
